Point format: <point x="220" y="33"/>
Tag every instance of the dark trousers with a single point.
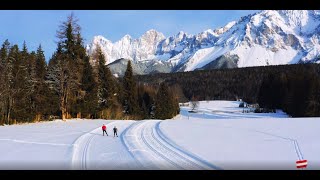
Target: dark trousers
<point x="104" y="131"/>
<point x="115" y="133"/>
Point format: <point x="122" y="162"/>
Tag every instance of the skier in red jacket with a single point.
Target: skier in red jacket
<point x="104" y="129"/>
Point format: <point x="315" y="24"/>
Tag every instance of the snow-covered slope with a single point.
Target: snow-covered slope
<point x="265" y="38"/>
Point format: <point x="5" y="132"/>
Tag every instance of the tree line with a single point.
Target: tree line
<point x="293" y="88"/>
<point x="70" y="86"/>
<point x="297" y="92"/>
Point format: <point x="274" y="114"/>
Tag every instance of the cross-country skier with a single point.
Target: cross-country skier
<point x="115" y="130"/>
<point x="104" y="129"/>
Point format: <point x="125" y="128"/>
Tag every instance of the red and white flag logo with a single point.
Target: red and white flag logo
<point x="301" y="163"/>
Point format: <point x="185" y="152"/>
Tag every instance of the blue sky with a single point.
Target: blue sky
<point x="40" y="26"/>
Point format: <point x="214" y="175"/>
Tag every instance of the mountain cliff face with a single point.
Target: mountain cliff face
<point x="143" y="48"/>
<point x="260" y="39"/>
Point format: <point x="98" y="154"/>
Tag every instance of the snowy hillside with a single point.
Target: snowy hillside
<point x="218" y="136"/>
<point x="265" y="38"/>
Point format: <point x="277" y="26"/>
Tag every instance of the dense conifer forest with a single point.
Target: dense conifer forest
<point x="293" y="88"/>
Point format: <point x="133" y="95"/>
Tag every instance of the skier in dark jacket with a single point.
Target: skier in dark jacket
<point x="104" y="129"/>
<point x="115" y="131"/>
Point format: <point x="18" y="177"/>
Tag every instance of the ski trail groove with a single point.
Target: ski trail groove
<point x="193" y="159"/>
<point x="156" y="152"/>
<point x="181" y="154"/>
<point x="81" y="149"/>
<point x="298" y="148"/>
<point x="125" y="141"/>
<point x="159" y="153"/>
<point x="85" y="153"/>
<point x="294" y="141"/>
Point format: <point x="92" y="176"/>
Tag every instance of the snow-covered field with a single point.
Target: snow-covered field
<point x="218" y="136"/>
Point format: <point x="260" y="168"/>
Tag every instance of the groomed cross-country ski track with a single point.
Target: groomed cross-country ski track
<point x="141" y="145"/>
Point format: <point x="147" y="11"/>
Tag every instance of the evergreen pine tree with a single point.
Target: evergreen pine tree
<point x="4" y="83"/>
<point x="130" y="92"/>
<point x="163" y="103"/>
<point x="8" y="91"/>
<point x="67" y="67"/>
<point x="89" y="86"/>
<point x="106" y="86"/>
<point x="143" y="98"/>
<point x="32" y="88"/>
<point x="43" y="94"/>
<point x="19" y="85"/>
<point x="41" y="65"/>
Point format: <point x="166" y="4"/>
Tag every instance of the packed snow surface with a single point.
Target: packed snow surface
<point x="217" y="136"/>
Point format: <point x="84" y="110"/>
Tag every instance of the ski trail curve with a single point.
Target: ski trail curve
<point x="81" y="147"/>
<point x="148" y="145"/>
<point x="126" y="144"/>
<point x="167" y="140"/>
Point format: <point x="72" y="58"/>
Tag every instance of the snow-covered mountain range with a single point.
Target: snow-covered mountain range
<point x="265" y="38"/>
